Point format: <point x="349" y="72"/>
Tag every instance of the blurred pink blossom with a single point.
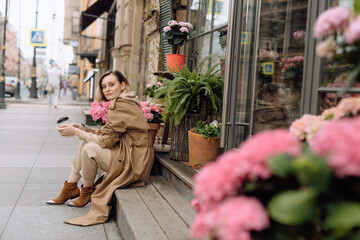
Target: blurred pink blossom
<point x="167" y="28"/>
<point x="307" y="126"/>
<point x="330" y="21"/>
<point x="327" y="48"/>
<point x="232" y="220"/>
<point x="248" y="162"/>
<point x="339" y="142"/>
<point x="348" y="106"/>
<point x="352" y="33"/>
<point x="184" y="29"/>
<point x="300" y="35"/>
<point x="172" y="23"/>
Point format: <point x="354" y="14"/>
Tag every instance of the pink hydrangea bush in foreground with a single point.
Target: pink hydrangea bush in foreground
<point x="221" y="180"/>
<point x="339" y="142"/>
<point x="283" y="182"/>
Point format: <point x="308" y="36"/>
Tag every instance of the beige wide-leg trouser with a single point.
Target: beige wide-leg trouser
<point x="89" y="157"/>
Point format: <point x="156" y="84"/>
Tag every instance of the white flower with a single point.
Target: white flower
<point x="214" y="124"/>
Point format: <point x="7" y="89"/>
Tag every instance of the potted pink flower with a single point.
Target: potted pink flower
<point x="153" y="115"/>
<point x="98" y="112"/>
<point x="176" y="34"/>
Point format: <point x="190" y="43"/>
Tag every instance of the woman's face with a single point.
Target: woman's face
<point x="111" y="87"/>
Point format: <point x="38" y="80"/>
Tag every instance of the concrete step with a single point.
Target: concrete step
<point x="155" y="211"/>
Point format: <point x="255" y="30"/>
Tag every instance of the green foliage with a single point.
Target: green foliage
<point x="344" y="216"/>
<point x="312" y="171"/>
<point x="292" y="207"/>
<point x="281" y="165"/>
<point x="305" y="200"/>
<point x="208" y="130"/>
<point x="198" y="91"/>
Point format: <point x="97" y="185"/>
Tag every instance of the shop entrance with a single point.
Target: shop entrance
<point x="265" y="76"/>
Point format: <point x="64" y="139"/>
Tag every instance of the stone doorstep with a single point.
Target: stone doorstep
<point x="155" y="211"/>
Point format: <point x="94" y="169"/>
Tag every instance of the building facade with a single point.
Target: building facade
<point x="265" y="48"/>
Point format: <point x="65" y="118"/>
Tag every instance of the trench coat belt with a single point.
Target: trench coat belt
<point x="142" y="143"/>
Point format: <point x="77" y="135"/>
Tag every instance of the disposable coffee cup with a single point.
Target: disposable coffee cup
<point x="63" y="121"/>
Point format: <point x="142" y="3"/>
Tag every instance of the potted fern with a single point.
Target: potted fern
<point x="189" y="97"/>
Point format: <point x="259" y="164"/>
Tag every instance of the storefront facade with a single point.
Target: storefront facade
<point x="272" y="73"/>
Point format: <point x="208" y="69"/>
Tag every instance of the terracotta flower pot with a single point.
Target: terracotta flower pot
<point x="175" y="61"/>
<point x="154" y="127"/>
<point x="202" y="151"/>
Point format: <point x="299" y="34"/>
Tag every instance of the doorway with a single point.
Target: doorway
<point x="265" y="74"/>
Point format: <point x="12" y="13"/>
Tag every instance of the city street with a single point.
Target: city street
<point x="34" y="163"/>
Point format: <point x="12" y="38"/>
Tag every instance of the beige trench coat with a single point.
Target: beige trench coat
<point x="132" y="156"/>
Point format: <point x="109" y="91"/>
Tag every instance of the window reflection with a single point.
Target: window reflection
<point x="210" y="18"/>
<point x="280" y="63"/>
<point x="333" y="78"/>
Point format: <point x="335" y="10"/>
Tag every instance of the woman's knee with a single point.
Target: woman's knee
<point x="90" y="149"/>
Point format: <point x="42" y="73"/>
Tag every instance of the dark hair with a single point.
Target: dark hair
<point x="100" y="96"/>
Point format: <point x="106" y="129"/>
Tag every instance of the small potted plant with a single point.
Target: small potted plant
<point x="204" y="143"/>
<point x="152" y="113"/>
<point x="150" y="89"/>
<point x="176" y="34"/>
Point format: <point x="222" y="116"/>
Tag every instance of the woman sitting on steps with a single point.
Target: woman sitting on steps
<point x="121" y="148"/>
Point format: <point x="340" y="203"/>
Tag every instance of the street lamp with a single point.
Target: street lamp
<point x="2" y="78"/>
<point x="33" y="91"/>
<point x="17" y="92"/>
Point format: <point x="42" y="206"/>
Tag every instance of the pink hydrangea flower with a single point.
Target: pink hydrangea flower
<point x="159" y="84"/>
<point x="223" y="177"/>
<point x="307" y="126"/>
<point x="232" y="220"/>
<point x="149" y="110"/>
<point x="172" y="23"/>
<point x="339" y="142"/>
<point x="327" y="48"/>
<point x="300" y="35"/>
<point x="330" y="21"/>
<point x="248" y="162"/>
<point x="349" y="106"/>
<point x="189" y="25"/>
<point x="184" y="29"/>
<point x="352" y="33"/>
<point x="166" y="29"/>
<point x="148" y="85"/>
<point x="99" y="110"/>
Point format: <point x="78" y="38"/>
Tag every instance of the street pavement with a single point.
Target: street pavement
<point x="34" y="163"/>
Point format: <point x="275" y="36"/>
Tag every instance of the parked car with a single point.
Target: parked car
<point x="10" y="85"/>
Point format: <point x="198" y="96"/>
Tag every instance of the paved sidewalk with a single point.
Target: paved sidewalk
<point x="34" y="163"/>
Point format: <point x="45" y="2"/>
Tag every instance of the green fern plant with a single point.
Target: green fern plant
<point x="198" y="91"/>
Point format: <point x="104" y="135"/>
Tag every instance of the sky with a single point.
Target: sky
<point x="23" y="18"/>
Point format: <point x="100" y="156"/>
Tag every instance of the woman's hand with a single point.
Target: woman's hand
<point x="78" y="125"/>
<point x="67" y="130"/>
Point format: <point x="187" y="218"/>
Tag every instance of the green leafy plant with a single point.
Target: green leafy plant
<point x="212" y="130"/>
<point x="198" y="91"/>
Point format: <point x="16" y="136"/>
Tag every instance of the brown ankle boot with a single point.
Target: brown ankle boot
<point x="69" y="191"/>
<point x="85" y="198"/>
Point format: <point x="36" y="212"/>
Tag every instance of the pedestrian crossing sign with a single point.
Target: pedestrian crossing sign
<point x="37" y="37"/>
